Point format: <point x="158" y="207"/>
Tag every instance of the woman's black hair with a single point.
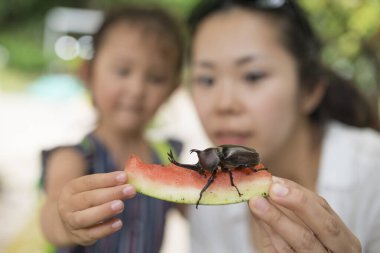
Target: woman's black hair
<point x="156" y="20"/>
<point x="342" y="100"/>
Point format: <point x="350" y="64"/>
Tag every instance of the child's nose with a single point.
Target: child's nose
<point x="135" y="86"/>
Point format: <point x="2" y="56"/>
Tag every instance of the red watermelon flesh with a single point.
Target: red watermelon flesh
<point x="176" y="184"/>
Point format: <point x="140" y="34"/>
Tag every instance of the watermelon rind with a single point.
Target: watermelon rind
<point x="176" y="184"/>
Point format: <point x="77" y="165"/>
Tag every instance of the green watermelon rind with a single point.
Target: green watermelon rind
<point x="149" y="179"/>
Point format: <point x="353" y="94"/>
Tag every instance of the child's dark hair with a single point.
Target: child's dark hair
<point x="154" y="20"/>
<point x="342" y="100"/>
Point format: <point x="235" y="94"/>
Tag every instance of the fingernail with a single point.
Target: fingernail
<point x="129" y="190"/>
<point x="260" y="204"/>
<point x="121" y="177"/>
<point x="277" y="179"/>
<point x="116" y="205"/>
<point x="280" y="190"/>
<point x="117" y="224"/>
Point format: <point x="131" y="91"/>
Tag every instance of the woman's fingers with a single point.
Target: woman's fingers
<point x="316" y="213"/>
<point x="299" y="237"/>
<point x="273" y="242"/>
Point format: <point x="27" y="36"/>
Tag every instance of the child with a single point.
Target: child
<point x="136" y="66"/>
<point x="258" y="81"/>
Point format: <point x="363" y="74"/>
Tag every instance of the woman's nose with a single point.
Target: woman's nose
<point x="227" y="100"/>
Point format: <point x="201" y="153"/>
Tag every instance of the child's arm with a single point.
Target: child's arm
<point x="79" y="209"/>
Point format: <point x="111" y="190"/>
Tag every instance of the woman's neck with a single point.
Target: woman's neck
<point x="299" y="159"/>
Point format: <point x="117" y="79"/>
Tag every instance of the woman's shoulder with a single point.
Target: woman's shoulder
<point x="349" y="177"/>
<point x="363" y="141"/>
<point x="349" y="156"/>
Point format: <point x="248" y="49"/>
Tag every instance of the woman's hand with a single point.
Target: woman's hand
<point x="87" y="205"/>
<point x="295" y="219"/>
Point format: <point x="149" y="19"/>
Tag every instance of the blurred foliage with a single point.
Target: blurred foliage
<point x="349" y="28"/>
<point x="21" y="31"/>
<point x="178" y="7"/>
<point x="22" y="26"/>
<point x="24" y="44"/>
<point x="351" y="32"/>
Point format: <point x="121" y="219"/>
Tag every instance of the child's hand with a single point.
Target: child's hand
<point x="295" y="219"/>
<point x="87" y="205"/>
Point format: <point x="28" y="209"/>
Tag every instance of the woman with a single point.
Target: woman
<point x="258" y="81"/>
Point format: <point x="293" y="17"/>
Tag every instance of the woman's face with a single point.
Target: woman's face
<point x="245" y="83"/>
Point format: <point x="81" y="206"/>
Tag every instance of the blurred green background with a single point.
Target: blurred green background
<point x="349" y="28"/>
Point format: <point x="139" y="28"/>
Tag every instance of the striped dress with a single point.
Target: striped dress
<point x="143" y="217"/>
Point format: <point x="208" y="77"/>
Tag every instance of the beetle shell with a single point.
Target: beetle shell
<point x="235" y="156"/>
<point x="209" y="158"/>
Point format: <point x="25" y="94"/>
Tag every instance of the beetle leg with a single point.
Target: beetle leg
<point x="256" y="170"/>
<point x="195" y="167"/>
<point x="233" y="184"/>
<point x="209" y="182"/>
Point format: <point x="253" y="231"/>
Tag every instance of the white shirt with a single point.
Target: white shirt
<point x="349" y="179"/>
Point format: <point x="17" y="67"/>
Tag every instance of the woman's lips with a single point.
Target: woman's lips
<point x="131" y="108"/>
<point x="228" y="137"/>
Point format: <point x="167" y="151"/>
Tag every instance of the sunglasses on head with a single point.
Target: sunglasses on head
<point x="280" y="6"/>
<point x="271" y="4"/>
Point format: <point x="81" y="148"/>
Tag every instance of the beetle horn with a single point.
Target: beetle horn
<point x="195" y="150"/>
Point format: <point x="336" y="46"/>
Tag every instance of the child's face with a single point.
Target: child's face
<point x="131" y="77"/>
<point x="245" y="83"/>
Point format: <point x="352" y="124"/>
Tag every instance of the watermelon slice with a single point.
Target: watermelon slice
<point x="176" y="184"/>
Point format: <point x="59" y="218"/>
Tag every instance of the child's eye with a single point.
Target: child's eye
<point x="254" y="76"/>
<point x="204" y="80"/>
<point x="123" y="72"/>
<point x="157" y="79"/>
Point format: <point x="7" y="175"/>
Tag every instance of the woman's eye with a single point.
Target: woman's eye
<point x="204" y="80"/>
<point x="252" y="77"/>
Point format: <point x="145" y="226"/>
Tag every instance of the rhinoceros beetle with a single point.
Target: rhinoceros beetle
<point x="224" y="157"/>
